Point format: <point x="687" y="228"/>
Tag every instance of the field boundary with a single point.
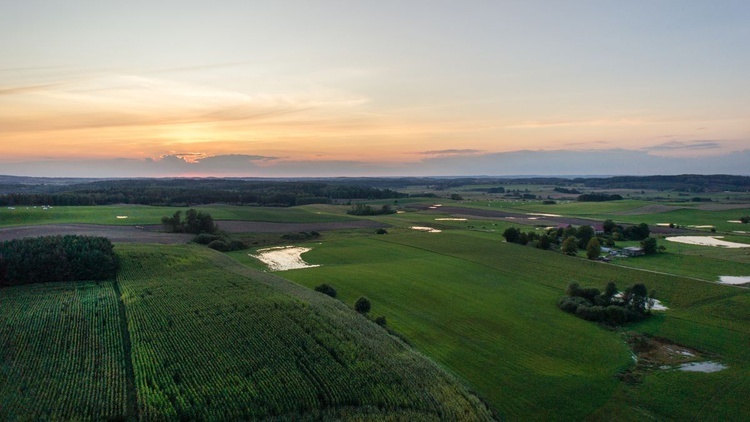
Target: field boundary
<point x="130" y="390"/>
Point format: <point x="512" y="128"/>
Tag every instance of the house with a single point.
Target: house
<point x="633" y="251"/>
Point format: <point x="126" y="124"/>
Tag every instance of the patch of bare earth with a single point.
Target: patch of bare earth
<point x="653" y="353"/>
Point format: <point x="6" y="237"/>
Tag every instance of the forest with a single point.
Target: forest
<point x="56" y="258"/>
<point x="185" y="192"/>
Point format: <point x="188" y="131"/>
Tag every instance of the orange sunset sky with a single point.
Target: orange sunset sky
<point x="332" y="88"/>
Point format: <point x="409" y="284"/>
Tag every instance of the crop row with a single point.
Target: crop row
<point x="62" y="355"/>
<point x="209" y="343"/>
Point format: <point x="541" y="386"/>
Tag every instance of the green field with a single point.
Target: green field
<point x="209" y="339"/>
<point x="187" y="332"/>
<point x="486" y="310"/>
<point x="145" y="215"/>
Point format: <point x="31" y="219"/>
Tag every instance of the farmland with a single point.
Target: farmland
<point x="187" y="332"/>
<point x="210" y="339"/>
<point x="471" y="302"/>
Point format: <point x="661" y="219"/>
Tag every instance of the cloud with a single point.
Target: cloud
<point x="683" y="146"/>
<point x="521" y="163"/>
<point x="451" y="152"/>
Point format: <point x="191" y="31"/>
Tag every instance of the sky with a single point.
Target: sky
<point x="373" y="88"/>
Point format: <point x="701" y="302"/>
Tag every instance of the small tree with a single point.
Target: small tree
<point x="649" y="246"/>
<point x="362" y="305"/>
<point x="593" y="249"/>
<point x="569" y="246"/>
<point x="380" y="321"/>
<point x="544" y="242"/>
<point x="326" y="289"/>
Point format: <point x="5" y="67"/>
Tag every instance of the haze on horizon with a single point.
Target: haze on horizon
<point x="330" y="88"/>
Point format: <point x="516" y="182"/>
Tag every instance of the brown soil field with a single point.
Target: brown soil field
<point x="261" y="227"/>
<point x="153" y="233"/>
<point x="117" y="234"/>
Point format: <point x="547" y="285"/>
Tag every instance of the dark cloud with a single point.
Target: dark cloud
<point x="521" y="163"/>
<point x="684" y="146"/>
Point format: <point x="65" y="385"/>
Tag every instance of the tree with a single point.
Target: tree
<point x="593" y="249"/>
<point x="649" y="246"/>
<point x="380" y="321"/>
<point x="362" y="305"/>
<point x="569" y="246"/>
<point x="609" y="226"/>
<point x="512" y="235"/>
<point x="544" y="242"/>
<point x="457" y="197"/>
<point x="584" y="234"/>
<point x="610" y="290"/>
<point x="326" y="289"/>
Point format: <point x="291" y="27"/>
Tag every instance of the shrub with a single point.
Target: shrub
<point x="219" y="245"/>
<point x="362" y="305"/>
<point x="380" y="321"/>
<point x="205" y="238"/>
<point x="326" y="289"/>
<point x="381" y="231"/>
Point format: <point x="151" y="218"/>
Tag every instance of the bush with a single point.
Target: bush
<point x="362" y="305"/>
<point x="219" y="245"/>
<point x="381" y="231"/>
<point x="205" y="238"/>
<point x="380" y="321"/>
<point x="326" y="290"/>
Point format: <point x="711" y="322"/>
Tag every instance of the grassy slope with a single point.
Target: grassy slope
<point x="487" y="311"/>
<point x="61" y="352"/>
<point x="212" y="339"/>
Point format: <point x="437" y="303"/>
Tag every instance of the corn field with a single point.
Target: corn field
<point x="61" y="354"/>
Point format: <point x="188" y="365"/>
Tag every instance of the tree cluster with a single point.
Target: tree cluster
<point x="598" y="197"/>
<point x="572" y="239"/>
<point x="571" y="191"/>
<point x="364" y="209"/>
<point x="609" y="307"/>
<point x="195" y="222"/>
<point x="56" y="258"/>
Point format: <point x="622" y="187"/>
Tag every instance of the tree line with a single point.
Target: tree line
<point x="56" y="258"/>
<point x="184" y="192"/>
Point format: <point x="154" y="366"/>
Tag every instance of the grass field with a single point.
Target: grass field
<point x="487" y="311"/>
<point x="145" y="215"/>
